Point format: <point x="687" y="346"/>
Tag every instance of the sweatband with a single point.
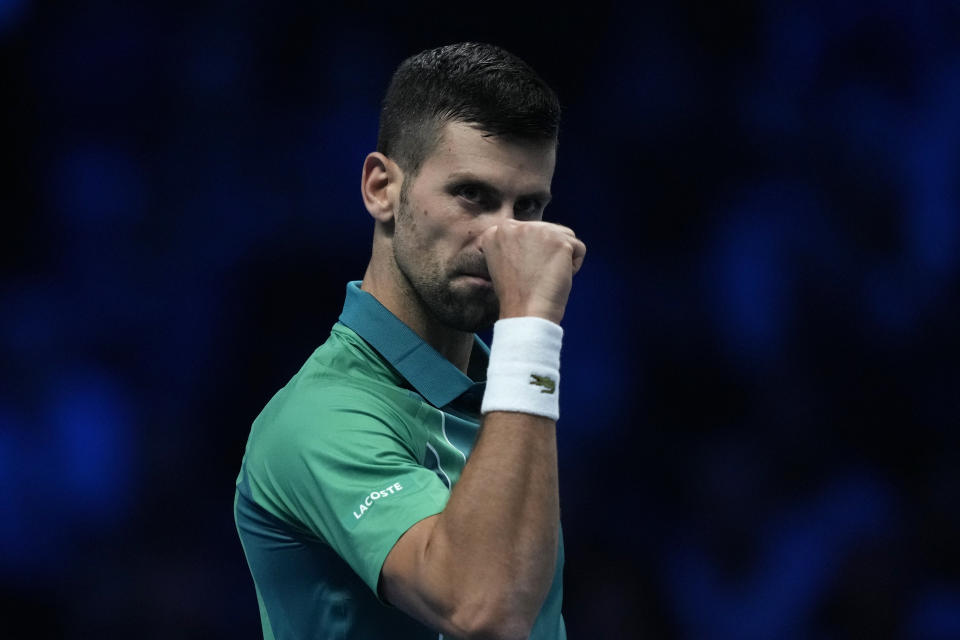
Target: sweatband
<point x="524" y="370"/>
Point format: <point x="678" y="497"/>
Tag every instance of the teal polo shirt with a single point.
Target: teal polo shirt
<point x="366" y="440"/>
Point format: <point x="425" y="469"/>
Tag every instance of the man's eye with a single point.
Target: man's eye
<point x="527" y="208"/>
<point x="469" y="192"/>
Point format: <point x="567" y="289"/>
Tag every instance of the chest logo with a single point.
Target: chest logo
<point x="549" y="384"/>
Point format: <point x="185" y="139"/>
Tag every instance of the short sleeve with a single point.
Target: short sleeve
<point x="348" y="470"/>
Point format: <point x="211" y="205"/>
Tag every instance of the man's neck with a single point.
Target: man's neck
<point x="394" y="293"/>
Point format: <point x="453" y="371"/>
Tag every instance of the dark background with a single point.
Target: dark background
<point x="760" y="417"/>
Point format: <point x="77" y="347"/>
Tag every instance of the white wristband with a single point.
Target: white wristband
<point x="524" y="370"/>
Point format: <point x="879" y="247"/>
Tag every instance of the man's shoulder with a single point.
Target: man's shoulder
<point x="346" y="357"/>
<point x="346" y="368"/>
<point x="343" y="383"/>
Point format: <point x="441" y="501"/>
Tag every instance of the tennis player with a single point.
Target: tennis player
<point x="403" y="484"/>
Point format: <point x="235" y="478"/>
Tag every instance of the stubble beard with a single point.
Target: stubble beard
<point x="463" y="308"/>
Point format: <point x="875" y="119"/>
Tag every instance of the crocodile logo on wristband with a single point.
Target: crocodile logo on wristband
<point x="549" y="384"/>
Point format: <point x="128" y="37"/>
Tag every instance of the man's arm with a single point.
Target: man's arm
<point x="483" y="566"/>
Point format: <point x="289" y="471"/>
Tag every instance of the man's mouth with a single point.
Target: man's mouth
<point x="477" y="277"/>
<point x="476" y="270"/>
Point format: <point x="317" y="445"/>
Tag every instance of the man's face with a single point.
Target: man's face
<point x="466" y="185"/>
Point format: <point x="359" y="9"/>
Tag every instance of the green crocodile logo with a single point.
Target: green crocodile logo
<point x="549" y="384"/>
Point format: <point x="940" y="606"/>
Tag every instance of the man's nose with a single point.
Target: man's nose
<point x="506" y="211"/>
<point x="493" y="217"/>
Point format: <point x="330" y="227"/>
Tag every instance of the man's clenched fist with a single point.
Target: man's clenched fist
<point x="531" y="265"/>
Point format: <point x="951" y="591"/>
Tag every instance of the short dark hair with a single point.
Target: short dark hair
<point x="480" y="84"/>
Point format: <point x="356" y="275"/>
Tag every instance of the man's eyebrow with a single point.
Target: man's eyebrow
<point x="466" y="176"/>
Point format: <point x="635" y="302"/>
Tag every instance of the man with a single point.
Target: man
<point x="370" y="502"/>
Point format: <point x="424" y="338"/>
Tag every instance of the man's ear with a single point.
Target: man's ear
<point x="380" y="186"/>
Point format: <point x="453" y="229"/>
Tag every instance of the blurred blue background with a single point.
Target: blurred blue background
<point x="760" y="424"/>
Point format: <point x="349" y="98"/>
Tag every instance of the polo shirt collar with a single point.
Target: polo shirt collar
<point x="433" y="376"/>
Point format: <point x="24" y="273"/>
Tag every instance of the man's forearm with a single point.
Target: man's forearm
<point x="495" y="542"/>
